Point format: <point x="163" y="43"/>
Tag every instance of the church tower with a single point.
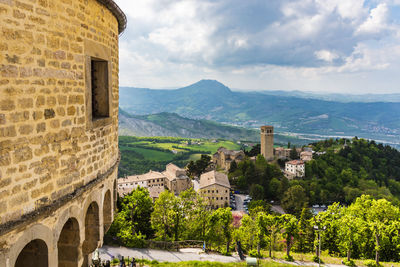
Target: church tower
<point x="267" y="142"/>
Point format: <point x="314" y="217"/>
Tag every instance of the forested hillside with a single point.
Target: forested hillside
<point x="348" y="169"/>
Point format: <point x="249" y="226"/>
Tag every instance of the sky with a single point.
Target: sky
<point x="340" y="46"/>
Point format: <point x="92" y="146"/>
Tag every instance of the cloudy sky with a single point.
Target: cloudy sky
<point x="344" y="46"/>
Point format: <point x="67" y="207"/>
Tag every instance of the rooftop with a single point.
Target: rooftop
<point x="214" y="177"/>
<point x="117" y="12"/>
<point x="295" y="162"/>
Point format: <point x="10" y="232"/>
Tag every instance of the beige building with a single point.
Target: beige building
<point x="214" y="188"/>
<point x="176" y="179"/>
<point x="284" y="153"/>
<point x="267" y="142"/>
<point x="155" y="191"/>
<point x="294" y="168"/>
<point x="147" y="180"/>
<point x="223" y="158"/>
<point x="306" y="155"/>
<point x="173" y="178"/>
<point x="58" y="129"/>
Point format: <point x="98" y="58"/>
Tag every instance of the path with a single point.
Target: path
<point x="187" y="254"/>
<point x="239" y="198"/>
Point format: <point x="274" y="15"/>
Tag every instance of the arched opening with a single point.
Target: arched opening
<point x="107" y="211"/>
<point x="68" y="244"/>
<point x="92" y="231"/>
<point x="34" y="254"/>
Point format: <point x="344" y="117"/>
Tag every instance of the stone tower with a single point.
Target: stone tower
<point x="58" y="129"/>
<point x="267" y="142"/>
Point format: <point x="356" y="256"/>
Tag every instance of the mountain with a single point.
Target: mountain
<point x="171" y="124"/>
<point x="211" y="100"/>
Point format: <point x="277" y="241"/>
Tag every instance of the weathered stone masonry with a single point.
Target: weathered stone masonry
<point x="58" y="157"/>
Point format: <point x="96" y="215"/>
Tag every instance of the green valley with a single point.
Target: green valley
<point x="141" y="154"/>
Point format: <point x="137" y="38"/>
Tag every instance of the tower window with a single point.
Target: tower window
<point x="99" y="85"/>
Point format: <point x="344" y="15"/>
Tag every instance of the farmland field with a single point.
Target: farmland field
<point x="141" y="154"/>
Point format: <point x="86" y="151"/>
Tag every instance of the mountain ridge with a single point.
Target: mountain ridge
<point x="211" y="100"/>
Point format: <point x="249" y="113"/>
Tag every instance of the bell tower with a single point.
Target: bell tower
<point x="267" y="142"/>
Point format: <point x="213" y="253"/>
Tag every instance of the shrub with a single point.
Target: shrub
<point x="254" y="253"/>
<point x="315" y="258"/>
<point x="289" y="258"/>
<point x="371" y="263"/>
<point x="350" y="263"/>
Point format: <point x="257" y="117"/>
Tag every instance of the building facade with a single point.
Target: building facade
<point x="306" y="155"/>
<point x="58" y="129"/>
<point x="223" y="158"/>
<point x="267" y="142"/>
<point x="294" y="168"/>
<point x="214" y="188"/>
<point x="173" y="178"/>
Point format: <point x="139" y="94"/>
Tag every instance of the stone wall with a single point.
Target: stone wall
<point x="53" y="155"/>
<point x="216" y="196"/>
<point x="47" y="147"/>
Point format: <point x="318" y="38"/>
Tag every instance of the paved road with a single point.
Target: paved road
<point x="189" y="254"/>
<point x="239" y="201"/>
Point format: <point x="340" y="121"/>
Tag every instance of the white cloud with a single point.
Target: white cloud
<point x="277" y="44"/>
<point x="376" y="22"/>
<point x="326" y="55"/>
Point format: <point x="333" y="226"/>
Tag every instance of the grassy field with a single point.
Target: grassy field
<point x="141" y="154"/>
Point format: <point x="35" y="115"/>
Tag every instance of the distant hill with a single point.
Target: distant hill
<point x="345" y="98"/>
<point x="211" y="100"/>
<point x="171" y="124"/>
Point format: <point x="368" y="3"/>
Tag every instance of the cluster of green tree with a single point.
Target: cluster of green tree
<point x="261" y="179"/>
<point x="366" y="229"/>
<point x="170" y="218"/>
<point x="196" y="168"/>
<point x="350" y="168"/>
<point x="344" y="171"/>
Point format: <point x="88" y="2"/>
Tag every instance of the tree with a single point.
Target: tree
<point x="290" y="227"/>
<point x="224" y="217"/>
<point x="255" y="150"/>
<point x="132" y="223"/>
<point x="257" y="192"/>
<point x="293" y="153"/>
<point x="306" y="235"/>
<point x="294" y="199"/>
<point x="162" y="217"/>
<point x="233" y="167"/>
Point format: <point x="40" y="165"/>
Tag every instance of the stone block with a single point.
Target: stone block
<point x="25" y="129"/>
<point x="22" y="154"/>
<point x="49" y="113"/>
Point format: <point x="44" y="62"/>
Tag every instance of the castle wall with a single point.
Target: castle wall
<point x="53" y="154"/>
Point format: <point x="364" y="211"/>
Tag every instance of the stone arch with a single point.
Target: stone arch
<point x="37" y="231"/>
<point x="68" y="244"/>
<point x="92" y="230"/>
<point x="34" y="254"/>
<point x="107" y="211"/>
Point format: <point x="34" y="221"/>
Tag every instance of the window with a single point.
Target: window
<point x="99" y="85"/>
<point x="216" y="191"/>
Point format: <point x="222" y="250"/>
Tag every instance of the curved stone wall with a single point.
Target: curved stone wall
<point x="58" y="120"/>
